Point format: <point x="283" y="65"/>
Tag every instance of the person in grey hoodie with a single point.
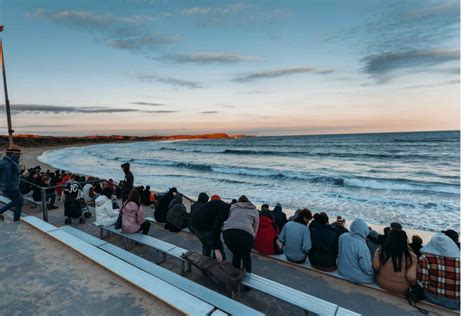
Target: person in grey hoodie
<point x="240" y="230"/>
<point x="296" y="237"/>
<point x="355" y="261"/>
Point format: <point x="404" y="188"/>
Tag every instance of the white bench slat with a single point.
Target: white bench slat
<point x="292" y="296"/>
<point x="84" y="236"/>
<point x="4" y="199"/>
<point x="143" y="239"/>
<point x="39" y="224"/>
<point x="220" y="301"/>
<point x="171" y="295"/>
<point x="345" y="312"/>
<point x="219" y="313"/>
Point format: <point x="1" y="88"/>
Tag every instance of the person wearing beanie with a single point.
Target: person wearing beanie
<point x="10" y="181"/>
<point x="127" y="185"/>
<point x="339" y="226"/>
<point x="215" y="197"/>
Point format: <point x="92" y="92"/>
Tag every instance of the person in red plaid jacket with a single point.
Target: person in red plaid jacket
<point x="439" y="272"/>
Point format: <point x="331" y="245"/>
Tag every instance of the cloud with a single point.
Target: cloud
<point x="208" y="58"/>
<point x="147" y="103"/>
<point x="216" y="11"/>
<point x="382" y="65"/>
<point x="138" y="42"/>
<point x="281" y="72"/>
<point x="55" y="109"/>
<point x="170" y="81"/>
<point x="209" y="112"/>
<point x="122" y="32"/>
<point x="91" y="21"/>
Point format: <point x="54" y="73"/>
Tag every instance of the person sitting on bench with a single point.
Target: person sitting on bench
<point x="133" y="216"/>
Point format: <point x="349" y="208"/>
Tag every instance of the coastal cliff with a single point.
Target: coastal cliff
<point x="31" y="140"/>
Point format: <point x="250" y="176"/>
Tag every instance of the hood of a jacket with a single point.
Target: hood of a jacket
<point x="441" y="245"/>
<point x="203" y="197"/>
<point x="126" y="167"/>
<point x="178" y="199"/>
<point x="264" y="221"/>
<point x="244" y="205"/>
<point x="360" y="228"/>
<point x="101" y="199"/>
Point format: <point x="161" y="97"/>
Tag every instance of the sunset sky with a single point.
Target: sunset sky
<point x="262" y="67"/>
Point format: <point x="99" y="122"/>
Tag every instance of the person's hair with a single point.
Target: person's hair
<point x="107" y="191"/>
<point x="233" y="201"/>
<point x="395" y="247"/>
<point x="321" y="218"/>
<point x="244" y="199"/>
<point x="134" y="196"/>
<point x="416" y="240"/>
<point x="302" y="215"/>
<point x="386" y="230"/>
<point x="147" y="187"/>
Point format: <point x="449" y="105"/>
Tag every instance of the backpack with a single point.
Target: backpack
<point x="415" y="294"/>
<point x="223" y="273"/>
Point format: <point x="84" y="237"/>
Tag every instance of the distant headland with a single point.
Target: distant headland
<point x="32" y="140"/>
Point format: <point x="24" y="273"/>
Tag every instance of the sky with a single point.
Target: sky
<point x="145" y="67"/>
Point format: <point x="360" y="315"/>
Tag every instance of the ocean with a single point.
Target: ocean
<point x="412" y="178"/>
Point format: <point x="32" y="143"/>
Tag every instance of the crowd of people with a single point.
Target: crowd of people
<point x="359" y="254"/>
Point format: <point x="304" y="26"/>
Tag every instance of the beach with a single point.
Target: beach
<point x="30" y="159"/>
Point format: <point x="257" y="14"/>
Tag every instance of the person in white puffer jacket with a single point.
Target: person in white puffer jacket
<point x="105" y="214"/>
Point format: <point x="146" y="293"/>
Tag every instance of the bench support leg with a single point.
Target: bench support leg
<point x="125" y="243"/>
<point x="305" y="313"/>
<point x="182" y="268"/>
<point x="101" y="233"/>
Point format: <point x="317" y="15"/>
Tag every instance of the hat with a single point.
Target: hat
<point x="340" y="220"/>
<point x="451" y="234"/>
<point x="215" y="197"/>
<point x="396" y="226"/>
<point x="14" y="149"/>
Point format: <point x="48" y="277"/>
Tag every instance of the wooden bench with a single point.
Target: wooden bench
<point x="220" y="301"/>
<point x="294" y="297"/>
<point x="162" y="247"/>
<point x="175" y="297"/>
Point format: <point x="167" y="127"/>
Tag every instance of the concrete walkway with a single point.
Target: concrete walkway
<point x="40" y="276"/>
<point x="354" y="297"/>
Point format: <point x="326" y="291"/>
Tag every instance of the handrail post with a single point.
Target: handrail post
<point x="43" y="205"/>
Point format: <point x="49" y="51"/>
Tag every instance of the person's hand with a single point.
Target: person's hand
<point x="219" y="255"/>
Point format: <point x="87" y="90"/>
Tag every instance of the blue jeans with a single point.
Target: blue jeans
<point x="207" y="243"/>
<point x="16" y="201"/>
<point x="442" y="301"/>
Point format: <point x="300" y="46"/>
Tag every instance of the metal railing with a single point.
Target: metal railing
<point x="43" y="190"/>
<point x="43" y="201"/>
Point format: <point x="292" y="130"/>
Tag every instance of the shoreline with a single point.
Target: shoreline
<point x="31" y="155"/>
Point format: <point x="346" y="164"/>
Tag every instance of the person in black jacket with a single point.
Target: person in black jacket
<point x="203" y="198"/>
<point x="207" y="224"/>
<point x="162" y="205"/>
<point x="146" y="196"/>
<point x="279" y="216"/>
<point x="127" y="185"/>
<point x="324" y="241"/>
<point x="339" y="226"/>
